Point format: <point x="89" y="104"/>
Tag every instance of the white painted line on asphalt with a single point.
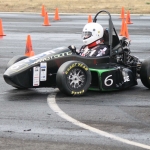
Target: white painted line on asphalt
<point x="4" y="93"/>
<point x="53" y="105"/>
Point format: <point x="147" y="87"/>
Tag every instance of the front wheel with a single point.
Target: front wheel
<point x="14" y="60"/>
<point x="73" y="78"/>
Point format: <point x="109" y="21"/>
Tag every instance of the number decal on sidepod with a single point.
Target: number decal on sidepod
<point x="108" y="81"/>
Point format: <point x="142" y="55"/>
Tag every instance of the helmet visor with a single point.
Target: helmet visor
<point x="86" y="35"/>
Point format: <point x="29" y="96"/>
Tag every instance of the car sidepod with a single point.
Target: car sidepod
<point x="112" y="79"/>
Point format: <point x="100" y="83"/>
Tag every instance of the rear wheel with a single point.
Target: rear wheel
<point x="145" y="72"/>
<point x="73" y="78"/>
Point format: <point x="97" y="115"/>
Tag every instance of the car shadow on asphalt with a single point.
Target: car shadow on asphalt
<point x="43" y="93"/>
<point x="29" y="94"/>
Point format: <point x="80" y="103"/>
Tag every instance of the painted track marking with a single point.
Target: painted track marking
<point x="53" y="105"/>
<point x="4" y="93"/>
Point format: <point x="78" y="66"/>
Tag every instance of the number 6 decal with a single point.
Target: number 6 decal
<point x="107" y="81"/>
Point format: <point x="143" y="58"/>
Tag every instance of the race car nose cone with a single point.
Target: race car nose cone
<point x="9" y="80"/>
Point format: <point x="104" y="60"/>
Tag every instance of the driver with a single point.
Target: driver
<point x="93" y="39"/>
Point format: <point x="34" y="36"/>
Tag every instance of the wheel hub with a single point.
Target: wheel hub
<point x="76" y="78"/>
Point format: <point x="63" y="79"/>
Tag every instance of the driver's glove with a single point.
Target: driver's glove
<point x="72" y="48"/>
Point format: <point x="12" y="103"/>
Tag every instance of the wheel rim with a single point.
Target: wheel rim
<point x="76" y="78"/>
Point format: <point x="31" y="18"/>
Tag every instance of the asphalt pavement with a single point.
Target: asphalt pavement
<point x="45" y="119"/>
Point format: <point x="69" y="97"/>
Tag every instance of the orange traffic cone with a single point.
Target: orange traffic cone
<point x="128" y="20"/>
<point x="122" y="27"/>
<point x="1" y="29"/>
<point x="90" y="19"/>
<point x="122" y="13"/>
<point x="56" y="17"/>
<point x="46" y="20"/>
<point x="43" y="11"/>
<point x="126" y="33"/>
<point x="29" y="51"/>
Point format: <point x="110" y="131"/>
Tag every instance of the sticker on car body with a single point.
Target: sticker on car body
<point x="43" y="71"/>
<point x="36" y="76"/>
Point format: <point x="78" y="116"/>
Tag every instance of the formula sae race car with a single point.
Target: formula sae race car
<point x="74" y="74"/>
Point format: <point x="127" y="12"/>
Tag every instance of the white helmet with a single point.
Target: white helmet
<point x="92" y="32"/>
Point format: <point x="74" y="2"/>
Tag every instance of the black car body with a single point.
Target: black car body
<point x="74" y="74"/>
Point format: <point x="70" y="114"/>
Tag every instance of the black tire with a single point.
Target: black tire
<point x="14" y="60"/>
<point x="145" y="73"/>
<point x="73" y="78"/>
